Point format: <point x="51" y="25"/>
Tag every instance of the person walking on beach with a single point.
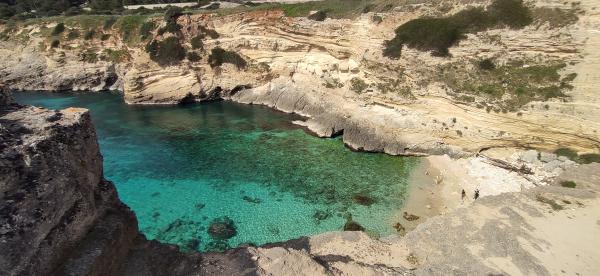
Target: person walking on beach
<point x="464" y="194"/>
<point x="476" y="194"/>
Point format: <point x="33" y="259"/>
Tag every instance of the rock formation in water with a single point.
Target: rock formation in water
<point x="529" y="87"/>
<point x="59" y="216"/>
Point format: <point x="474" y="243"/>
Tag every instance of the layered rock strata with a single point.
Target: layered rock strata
<point x="335" y="73"/>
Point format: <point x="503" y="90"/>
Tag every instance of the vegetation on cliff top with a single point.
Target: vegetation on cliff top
<point x="506" y="87"/>
<point x="585" y="158"/>
<point x="166" y="52"/>
<point x="219" y="56"/>
<point x="439" y="34"/>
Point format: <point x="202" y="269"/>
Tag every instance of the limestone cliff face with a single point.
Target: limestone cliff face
<point x="334" y="73"/>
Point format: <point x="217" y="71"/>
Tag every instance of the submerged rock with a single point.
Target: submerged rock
<point x="321" y="215"/>
<point x="222" y="228"/>
<point x="255" y="200"/>
<point x="192" y="245"/>
<point x="352" y="225"/>
<point x="363" y="199"/>
<point x="217" y="246"/>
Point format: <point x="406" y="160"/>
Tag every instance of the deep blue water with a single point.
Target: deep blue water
<point x="179" y="168"/>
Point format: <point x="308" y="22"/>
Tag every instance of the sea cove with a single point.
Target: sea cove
<point x="181" y="168"/>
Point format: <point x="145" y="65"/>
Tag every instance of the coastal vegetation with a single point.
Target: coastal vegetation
<point x="506" y="87"/>
<point x="318" y="16"/>
<point x="585" y="158"/>
<point x="568" y="184"/>
<point x="436" y="35"/>
<point x="166" y="52"/>
<point x="218" y="56"/>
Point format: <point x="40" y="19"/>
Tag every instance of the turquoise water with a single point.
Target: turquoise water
<point x="179" y="168"/>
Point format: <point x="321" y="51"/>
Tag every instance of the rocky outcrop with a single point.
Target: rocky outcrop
<point x="25" y="68"/>
<point x="147" y="82"/>
<point x="59" y="216"/>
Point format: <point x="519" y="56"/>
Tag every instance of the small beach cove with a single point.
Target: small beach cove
<point x="213" y="176"/>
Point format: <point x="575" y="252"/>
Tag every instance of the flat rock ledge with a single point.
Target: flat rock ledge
<point x="59" y="216"/>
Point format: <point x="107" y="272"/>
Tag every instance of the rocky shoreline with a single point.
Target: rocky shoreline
<point x="59" y="216"/>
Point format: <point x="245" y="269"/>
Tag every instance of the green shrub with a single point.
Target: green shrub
<point x="173" y="13"/>
<point x="581" y="159"/>
<point x="358" y="85"/>
<point x="146" y="29"/>
<point x="73" y="34"/>
<point x="115" y="55"/>
<point x="55" y="43"/>
<point x="58" y="29"/>
<point x="171" y="27"/>
<point x="89" y="34"/>
<point x="511" y="13"/>
<point x="197" y="42"/>
<point x="568" y="184"/>
<point x="129" y="27"/>
<point x="193" y="57"/>
<point x="439" y="34"/>
<point x="89" y="56"/>
<point x="218" y="56"/>
<point x="318" y="16"/>
<point x="109" y="22"/>
<point x="166" y="52"/>
<point x="425" y="34"/>
<point x="486" y="64"/>
<point x="203" y="32"/>
<point x="589" y="158"/>
<point x="104" y="37"/>
<point x="555" y="206"/>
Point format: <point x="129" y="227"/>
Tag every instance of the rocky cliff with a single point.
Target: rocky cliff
<point x="59" y="216"/>
<point x="540" y="93"/>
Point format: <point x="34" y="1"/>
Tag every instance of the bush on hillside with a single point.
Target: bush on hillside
<point x="218" y="56"/>
<point x="197" y="42"/>
<point x="89" y="34"/>
<point x="146" y="29"/>
<point x="511" y="13"/>
<point x="55" y="43"/>
<point x="109" y="22"/>
<point x="193" y="57"/>
<point x="166" y="52"/>
<point x="438" y="34"/>
<point x="58" y="29"/>
<point x="73" y="34"/>
<point x="318" y="16"/>
<point x="486" y="64"/>
<point x="203" y="32"/>
<point x="173" y="13"/>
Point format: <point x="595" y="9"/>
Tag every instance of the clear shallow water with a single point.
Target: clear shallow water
<point x="179" y="168"/>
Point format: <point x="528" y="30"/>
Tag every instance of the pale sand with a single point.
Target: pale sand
<point x="436" y="186"/>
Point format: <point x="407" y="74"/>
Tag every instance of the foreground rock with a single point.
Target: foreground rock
<point x="59" y="216"/>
